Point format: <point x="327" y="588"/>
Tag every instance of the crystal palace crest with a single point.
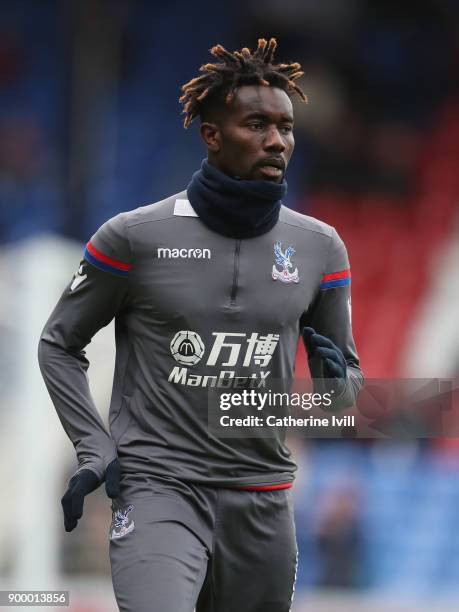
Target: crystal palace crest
<point x="283" y="259"/>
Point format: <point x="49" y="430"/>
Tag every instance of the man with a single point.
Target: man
<point x="203" y="291"/>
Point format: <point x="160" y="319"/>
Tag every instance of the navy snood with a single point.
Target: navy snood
<point x="232" y="207"/>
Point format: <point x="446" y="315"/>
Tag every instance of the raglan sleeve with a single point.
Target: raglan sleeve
<point x="330" y="315"/>
<point x="96" y="294"/>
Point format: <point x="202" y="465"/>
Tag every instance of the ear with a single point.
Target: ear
<point x="210" y="133"/>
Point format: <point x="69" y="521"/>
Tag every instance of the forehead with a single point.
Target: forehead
<point x="270" y="101"/>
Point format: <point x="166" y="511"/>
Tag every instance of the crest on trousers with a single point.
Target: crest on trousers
<point x="284" y="260"/>
<point x="121" y="523"/>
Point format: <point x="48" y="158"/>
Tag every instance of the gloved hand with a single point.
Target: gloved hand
<point x="333" y="360"/>
<point x="84" y="483"/>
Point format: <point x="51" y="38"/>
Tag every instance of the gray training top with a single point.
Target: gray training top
<point x="192" y="307"/>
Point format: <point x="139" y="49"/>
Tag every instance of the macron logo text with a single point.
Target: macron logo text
<point x="165" y="253"/>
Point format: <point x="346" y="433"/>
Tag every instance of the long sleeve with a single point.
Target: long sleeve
<point x="330" y="316"/>
<point x="97" y="293"/>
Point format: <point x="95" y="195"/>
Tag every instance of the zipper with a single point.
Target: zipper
<point x="237" y="251"/>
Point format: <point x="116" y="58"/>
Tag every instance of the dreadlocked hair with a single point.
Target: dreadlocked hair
<point x="221" y="80"/>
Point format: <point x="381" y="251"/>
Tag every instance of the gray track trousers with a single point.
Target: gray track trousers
<point x="177" y="547"/>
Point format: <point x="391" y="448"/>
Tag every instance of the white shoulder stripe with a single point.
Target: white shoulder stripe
<point x="183" y="208"/>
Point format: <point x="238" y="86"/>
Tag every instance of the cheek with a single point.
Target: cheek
<point x="247" y="142"/>
<point x="242" y="148"/>
<point x="289" y="146"/>
<point x="231" y="141"/>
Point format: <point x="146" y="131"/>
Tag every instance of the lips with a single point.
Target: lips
<point x="272" y="167"/>
<point x="274" y="162"/>
<point x="271" y="171"/>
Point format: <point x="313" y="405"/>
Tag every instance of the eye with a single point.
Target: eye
<point x="256" y="125"/>
<point x="286" y="129"/>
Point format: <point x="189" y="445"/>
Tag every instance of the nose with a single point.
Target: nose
<point x="274" y="141"/>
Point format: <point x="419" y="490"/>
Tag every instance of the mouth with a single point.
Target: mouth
<point x="272" y="168"/>
<point x="271" y="171"/>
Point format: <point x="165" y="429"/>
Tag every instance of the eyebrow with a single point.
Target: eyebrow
<point x="260" y="115"/>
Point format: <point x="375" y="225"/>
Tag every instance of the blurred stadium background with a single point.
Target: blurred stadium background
<point x="90" y="126"/>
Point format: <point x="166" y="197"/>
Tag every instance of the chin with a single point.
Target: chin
<point x="270" y="179"/>
<point x="274" y="179"/>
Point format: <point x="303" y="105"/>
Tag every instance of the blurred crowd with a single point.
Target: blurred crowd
<point x="90" y="121"/>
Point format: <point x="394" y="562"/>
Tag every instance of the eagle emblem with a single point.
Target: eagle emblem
<point x="284" y="260"/>
<point x="121" y="523"/>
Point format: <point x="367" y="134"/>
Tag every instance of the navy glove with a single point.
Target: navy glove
<point x="81" y="485"/>
<point x="333" y="359"/>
